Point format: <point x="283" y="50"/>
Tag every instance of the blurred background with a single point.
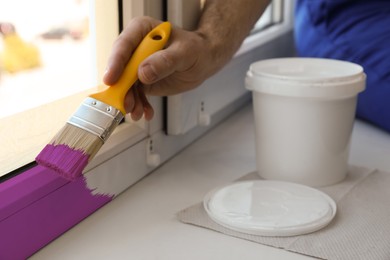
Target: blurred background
<point x="45" y="52"/>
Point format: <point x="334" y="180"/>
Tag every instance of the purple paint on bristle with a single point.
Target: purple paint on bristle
<point x="67" y="162"/>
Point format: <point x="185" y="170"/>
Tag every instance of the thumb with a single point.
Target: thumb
<point x="157" y="66"/>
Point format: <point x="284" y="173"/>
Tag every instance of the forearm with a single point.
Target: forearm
<point x="226" y="23"/>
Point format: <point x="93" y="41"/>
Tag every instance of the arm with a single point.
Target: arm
<point x="190" y="57"/>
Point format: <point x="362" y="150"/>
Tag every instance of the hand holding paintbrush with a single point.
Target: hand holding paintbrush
<point x="83" y="135"/>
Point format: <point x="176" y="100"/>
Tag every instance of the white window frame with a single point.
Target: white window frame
<point x="284" y="17"/>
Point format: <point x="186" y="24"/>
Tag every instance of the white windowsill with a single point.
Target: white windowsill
<point x="141" y="222"/>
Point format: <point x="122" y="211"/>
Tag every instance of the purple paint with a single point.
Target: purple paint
<point x="24" y="189"/>
<point x="67" y="162"/>
<point x="38" y="206"/>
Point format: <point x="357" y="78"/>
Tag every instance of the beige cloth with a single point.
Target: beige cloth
<point x="360" y="229"/>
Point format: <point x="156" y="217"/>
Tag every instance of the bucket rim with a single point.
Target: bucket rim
<point x="355" y="69"/>
<point x="289" y="77"/>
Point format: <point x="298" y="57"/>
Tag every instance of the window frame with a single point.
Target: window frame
<point x="283" y="22"/>
<point x="37" y="206"/>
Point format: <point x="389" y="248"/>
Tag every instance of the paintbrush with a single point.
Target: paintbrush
<point x="69" y="152"/>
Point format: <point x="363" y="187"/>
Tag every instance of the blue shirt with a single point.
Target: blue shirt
<point x="356" y="31"/>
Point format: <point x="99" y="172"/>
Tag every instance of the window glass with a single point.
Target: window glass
<point x="264" y="21"/>
<point x="45" y="72"/>
<point x="271" y="15"/>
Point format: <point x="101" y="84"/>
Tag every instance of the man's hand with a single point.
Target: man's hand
<point x="184" y="64"/>
<point x="189" y="58"/>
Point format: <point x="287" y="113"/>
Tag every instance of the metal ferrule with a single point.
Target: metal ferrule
<point x="97" y="118"/>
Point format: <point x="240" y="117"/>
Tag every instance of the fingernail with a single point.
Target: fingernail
<point x="148" y="74"/>
<point x="105" y="73"/>
<point x="106" y="70"/>
<point x="136" y="116"/>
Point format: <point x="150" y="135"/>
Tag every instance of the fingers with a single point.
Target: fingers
<point x="148" y="109"/>
<point x="137" y="104"/>
<point x="125" y="45"/>
<point x="130" y="101"/>
<point x="138" y="110"/>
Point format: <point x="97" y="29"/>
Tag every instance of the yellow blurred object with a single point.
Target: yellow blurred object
<point x="18" y="55"/>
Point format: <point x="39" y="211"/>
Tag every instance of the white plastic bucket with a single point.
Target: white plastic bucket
<point x="304" y="110"/>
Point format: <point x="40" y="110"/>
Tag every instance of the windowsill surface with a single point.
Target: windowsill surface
<point x="141" y="222"/>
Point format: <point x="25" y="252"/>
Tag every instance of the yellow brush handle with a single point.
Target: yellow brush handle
<point x="154" y="41"/>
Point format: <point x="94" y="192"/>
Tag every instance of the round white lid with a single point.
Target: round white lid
<point x="270" y="208"/>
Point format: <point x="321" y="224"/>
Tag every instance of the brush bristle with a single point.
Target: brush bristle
<point x="70" y="151"/>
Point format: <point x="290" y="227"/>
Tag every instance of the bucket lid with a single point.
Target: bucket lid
<point x="306" y="77"/>
<point x="270" y="208"/>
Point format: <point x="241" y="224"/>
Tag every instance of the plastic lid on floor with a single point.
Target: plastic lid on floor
<point x="270" y="208"/>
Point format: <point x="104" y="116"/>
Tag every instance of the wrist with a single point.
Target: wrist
<point x="215" y="52"/>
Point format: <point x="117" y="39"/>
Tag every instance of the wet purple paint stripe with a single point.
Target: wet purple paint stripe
<point x="66" y="161"/>
<point x="24" y="189"/>
<point x="38" y="206"/>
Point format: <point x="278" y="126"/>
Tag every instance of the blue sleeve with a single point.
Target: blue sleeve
<point x="356" y="31"/>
